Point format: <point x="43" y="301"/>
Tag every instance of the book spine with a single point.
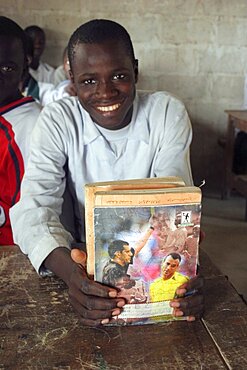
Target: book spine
<point x="121" y="200"/>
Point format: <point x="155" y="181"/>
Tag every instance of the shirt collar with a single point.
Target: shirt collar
<point x="138" y="127"/>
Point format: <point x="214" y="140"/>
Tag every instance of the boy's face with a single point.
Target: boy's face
<point x="11" y="68"/>
<point x="105" y="78"/>
<point x="38" y="43"/>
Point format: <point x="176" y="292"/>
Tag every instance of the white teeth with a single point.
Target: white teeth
<point x="110" y="108"/>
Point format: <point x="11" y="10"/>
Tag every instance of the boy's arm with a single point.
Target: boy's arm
<point x="173" y="158"/>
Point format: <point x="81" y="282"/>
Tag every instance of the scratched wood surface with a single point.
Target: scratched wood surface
<point x="39" y="330"/>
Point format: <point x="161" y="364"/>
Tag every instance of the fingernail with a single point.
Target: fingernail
<point x="121" y="303"/>
<point x="112" y="293"/>
<point x="105" y="321"/>
<point x="116" y="312"/>
<point x="181" y="291"/>
<point x="174" y="304"/>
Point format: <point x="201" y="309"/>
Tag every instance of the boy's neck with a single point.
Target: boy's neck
<point x="35" y="64"/>
<point x="18" y="95"/>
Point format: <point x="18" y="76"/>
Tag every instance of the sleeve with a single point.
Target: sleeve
<point x="35" y="218"/>
<point x="173" y="157"/>
<point x="48" y="93"/>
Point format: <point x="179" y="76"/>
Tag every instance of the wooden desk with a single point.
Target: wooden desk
<point x="237" y="119"/>
<point x="39" y="330"/>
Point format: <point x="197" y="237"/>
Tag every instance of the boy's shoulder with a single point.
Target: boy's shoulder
<point x="145" y="96"/>
<point x="21" y="106"/>
<point x="45" y="66"/>
<point x="69" y="103"/>
<point x="66" y="108"/>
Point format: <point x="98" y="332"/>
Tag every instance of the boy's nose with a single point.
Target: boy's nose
<point x="106" y="89"/>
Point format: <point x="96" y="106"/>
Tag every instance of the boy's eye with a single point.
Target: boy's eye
<point x="119" y="76"/>
<point x="89" y="81"/>
<point x="7" y="69"/>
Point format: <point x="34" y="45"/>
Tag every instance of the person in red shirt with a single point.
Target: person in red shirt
<point x="17" y="118"/>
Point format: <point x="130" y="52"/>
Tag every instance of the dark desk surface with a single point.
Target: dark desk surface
<point x="39" y="330"/>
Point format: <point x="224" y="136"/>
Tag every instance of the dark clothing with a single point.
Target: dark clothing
<point x="240" y="154"/>
<point x="112" y="273"/>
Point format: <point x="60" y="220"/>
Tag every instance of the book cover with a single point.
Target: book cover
<point x="134" y="184"/>
<point x="145" y="243"/>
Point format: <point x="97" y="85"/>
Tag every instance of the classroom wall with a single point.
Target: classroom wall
<point x="196" y="49"/>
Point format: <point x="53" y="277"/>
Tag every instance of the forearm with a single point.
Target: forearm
<point x="174" y="155"/>
<point x="141" y="243"/>
<point x="60" y="263"/>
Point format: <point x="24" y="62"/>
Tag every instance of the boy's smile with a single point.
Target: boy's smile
<point x="105" y="78"/>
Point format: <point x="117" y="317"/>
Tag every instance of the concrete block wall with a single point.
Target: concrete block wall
<point x="196" y="49"/>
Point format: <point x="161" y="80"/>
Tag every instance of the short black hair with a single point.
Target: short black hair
<point x="116" y="246"/>
<point x="11" y="29"/>
<point x="98" y="31"/>
<point x="175" y="256"/>
<point x="31" y="30"/>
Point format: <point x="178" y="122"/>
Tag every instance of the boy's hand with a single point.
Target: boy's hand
<point x="95" y="303"/>
<point x="191" y="301"/>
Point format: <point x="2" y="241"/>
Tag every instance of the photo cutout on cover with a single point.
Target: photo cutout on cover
<point x="146" y="252"/>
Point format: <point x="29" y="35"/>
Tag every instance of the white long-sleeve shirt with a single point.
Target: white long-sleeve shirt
<point x="49" y="93"/>
<point x="44" y="73"/>
<point x="67" y="146"/>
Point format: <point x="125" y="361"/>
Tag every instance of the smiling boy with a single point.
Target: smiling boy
<point x="39" y="70"/>
<point x="17" y="118"/>
<point x="107" y="132"/>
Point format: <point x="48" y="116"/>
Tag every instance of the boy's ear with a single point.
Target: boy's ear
<point x="136" y="70"/>
<point x="71" y="76"/>
<point x="24" y="71"/>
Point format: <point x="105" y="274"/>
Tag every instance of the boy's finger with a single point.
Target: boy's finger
<point x="193" y="285"/>
<point x="78" y="256"/>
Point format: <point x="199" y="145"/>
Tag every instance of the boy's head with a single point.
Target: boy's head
<point x="66" y="65"/>
<point x="98" y="31"/>
<point x="104" y="71"/>
<point x="37" y="34"/>
<point x="13" y="63"/>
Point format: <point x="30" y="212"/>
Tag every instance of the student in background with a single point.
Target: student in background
<point x="108" y="132"/>
<point x="17" y="118"/>
<point x="45" y="92"/>
<point x="29" y="86"/>
<point x="39" y="70"/>
<point x="60" y="73"/>
<point x="49" y="93"/>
